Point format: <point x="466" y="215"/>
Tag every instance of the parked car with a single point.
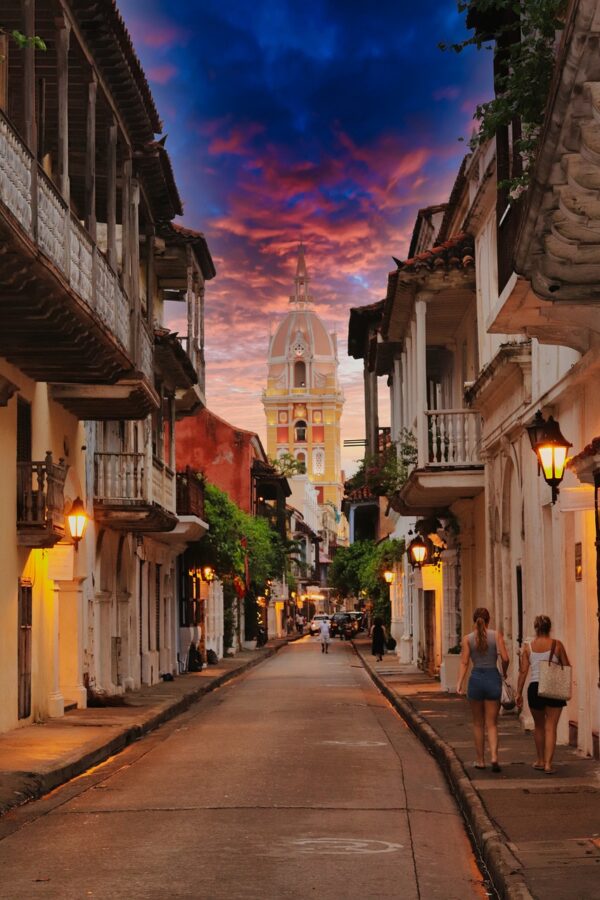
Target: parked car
<point x="357" y="617"/>
<point x="315" y="622"/>
<point x="341" y="625"/>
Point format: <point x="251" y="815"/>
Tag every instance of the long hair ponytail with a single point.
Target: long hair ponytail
<point x="481" y="617"/>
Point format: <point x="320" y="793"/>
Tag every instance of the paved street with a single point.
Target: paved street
<point x="296" y="780"/>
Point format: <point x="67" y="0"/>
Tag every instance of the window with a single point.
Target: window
<point x="300" y="430"/>
<point x="299" y="374"/>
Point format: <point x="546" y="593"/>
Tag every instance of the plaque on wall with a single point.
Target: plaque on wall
<point x="283" y="416"/>
<point x="299" y="410"/>
<point x="317" y="416"/>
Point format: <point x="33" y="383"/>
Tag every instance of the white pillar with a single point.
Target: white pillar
<point x="69" y="597"/>
<point x="421" y="378"/>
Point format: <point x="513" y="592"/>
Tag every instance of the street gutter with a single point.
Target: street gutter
<point x="505" y="870"/>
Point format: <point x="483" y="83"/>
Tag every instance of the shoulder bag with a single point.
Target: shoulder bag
<point x="555" y="679"/>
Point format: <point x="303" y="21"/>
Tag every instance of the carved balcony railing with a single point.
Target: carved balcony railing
<point x="59" y="234"/>
<point x="120" y="477"/>
<point x="132" y="495"/>
<point x="41" y="502"/>
<point x="190" y="494"/>
<point x="58" y="286"/>
<point x="454" y="438"/>
<point x="196" y="356"/>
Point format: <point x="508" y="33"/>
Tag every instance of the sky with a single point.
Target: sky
<point x="330" y="122"/>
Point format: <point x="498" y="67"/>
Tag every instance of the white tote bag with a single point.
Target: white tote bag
<point x="555" y="679"/>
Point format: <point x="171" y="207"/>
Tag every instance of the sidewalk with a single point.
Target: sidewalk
<point x="539" y="836"/>
<point x="37" y="758"/>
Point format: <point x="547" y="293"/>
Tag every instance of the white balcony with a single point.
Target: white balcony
<point x="449" y="466"/>
<point x="133" y="494"/>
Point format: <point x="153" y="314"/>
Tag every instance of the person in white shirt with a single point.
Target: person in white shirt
<point x="325" y="636"/>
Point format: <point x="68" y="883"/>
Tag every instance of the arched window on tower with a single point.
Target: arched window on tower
<point x="300" y="430"/>
<point x="301" y="459"/>
<point x="299" y="374"/>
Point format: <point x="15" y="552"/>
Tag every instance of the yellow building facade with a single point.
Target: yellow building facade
<point x="303" y="401"/>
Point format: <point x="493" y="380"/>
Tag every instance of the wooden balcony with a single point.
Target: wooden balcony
<point x="449" y="466"/>
<point x="40" y="502"/>
<point x="189" y="399"/>
<point x="65" y="317"/>
<point x="132" y="495"/>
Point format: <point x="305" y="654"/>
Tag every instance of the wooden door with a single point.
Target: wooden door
<point x="24" y="648"/>
<point x="429" y="609"/>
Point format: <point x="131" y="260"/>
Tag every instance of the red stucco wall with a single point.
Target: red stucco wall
<point x="223" y="453"/>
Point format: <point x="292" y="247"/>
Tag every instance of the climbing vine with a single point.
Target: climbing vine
<point x="524" y="32"/>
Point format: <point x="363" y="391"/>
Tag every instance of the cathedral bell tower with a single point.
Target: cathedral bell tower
<point x="303" y="401"/>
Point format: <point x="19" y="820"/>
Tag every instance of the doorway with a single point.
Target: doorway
<point x="429" y="622"/>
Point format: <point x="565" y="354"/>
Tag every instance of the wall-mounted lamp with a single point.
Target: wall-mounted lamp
<point x="388" y="576"/>
<point x="417" y="551"/>
<point x="77" y="519"/>
<point x="551" y="448"/>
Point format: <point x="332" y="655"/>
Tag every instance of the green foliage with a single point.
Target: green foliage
<point x="222" y="545"/>
<point x="229" y="600"/>
<point x="357" y="570"/>
<point x="22" y="40"/>
<point x="287" y="465"/>
<point x="523" y="79"/>
<point x="385" y="473"/>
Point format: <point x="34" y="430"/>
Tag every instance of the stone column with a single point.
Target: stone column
<point x="69" y="597"/>
<point x="128" y="648"/>
<point x="102" y="641"/>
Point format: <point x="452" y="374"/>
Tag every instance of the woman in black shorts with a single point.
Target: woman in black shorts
<point x="545" y="711"/>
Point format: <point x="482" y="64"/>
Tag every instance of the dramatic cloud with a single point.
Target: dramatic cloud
<point x="333" y="123"/>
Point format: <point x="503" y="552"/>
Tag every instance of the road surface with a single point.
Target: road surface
<point x="297" y="780"/>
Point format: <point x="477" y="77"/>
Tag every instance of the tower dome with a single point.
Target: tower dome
<point x="303" y="401"/>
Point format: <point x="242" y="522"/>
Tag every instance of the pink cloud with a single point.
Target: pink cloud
<point x="162" y="74"/>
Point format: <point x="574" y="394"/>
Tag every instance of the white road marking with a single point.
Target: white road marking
<point x="344" y="846"/>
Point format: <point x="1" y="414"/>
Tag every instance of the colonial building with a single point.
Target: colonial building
<point x="490" y="320"/>
<point x="91" y="380"/>
<point x="303" y="400"/>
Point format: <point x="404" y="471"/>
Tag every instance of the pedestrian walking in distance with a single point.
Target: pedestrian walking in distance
<point x="378" y="638"/>
<point x="545" y="710"/>
<point x="325" y="636"/>
<point x="299" y="623"/>
<point x="483" y="646"/>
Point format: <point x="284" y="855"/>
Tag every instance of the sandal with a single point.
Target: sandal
<point x="496" y="767"/>
<point x="549" y="771"/>
<point x="477" y="766"/>
<point x="539" y="768"/>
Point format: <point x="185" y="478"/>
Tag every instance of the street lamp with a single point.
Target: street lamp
<point x="551" y="447"/>
<point x="208" y="574"/>
<point x="388" y="576"/>
<point x="418" y="552"/>
<point x="77" y="519"/>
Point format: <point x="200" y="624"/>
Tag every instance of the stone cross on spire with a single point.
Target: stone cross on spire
<point x="301" y="297"/>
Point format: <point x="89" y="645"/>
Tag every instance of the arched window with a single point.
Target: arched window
<point x="301" y="458"/>
<point x="299" y="374"/>
<point x="300" y="430"/>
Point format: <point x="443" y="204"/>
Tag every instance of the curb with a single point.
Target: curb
<point x="505" y="870"/>
<point x="35" y="785"/>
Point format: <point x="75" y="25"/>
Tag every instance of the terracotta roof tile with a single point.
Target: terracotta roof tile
<point x="457" y="252"/>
